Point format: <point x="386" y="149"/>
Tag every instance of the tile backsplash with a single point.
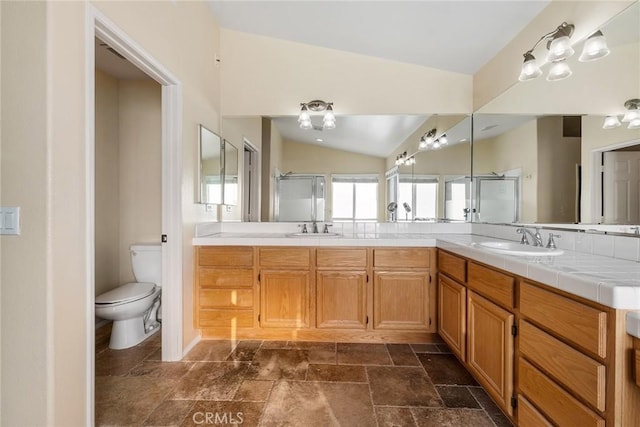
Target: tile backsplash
<point x="622" y="247"/>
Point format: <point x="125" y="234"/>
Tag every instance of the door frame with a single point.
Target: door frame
<point x="98" y="25"/>
<point x="254" y="206"/>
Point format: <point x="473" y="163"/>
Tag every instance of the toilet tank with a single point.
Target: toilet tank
<point x="146" y="262"/>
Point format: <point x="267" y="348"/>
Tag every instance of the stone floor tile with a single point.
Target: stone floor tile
<point x="211" y="381"/>
<point x="317" y="352"/>
<point x="253" y="391"/>
<point x="402" y="355"/>
<point x="362" y="354"/>
<point x="244" y="351"/>
<point x="401" y="386"/>
<point x="425" y="348"/>
<point x="498" y="417"/>
<point x="445" y="369"/>
<point x="157" y="369"/>
<point x="433" y="417"/>
<point x="210" y="351"/>
<point x="390" y="416"/>
<point x="120" y="362"/>
<point x="310" y="404"/>
<point x="276" y="364"/>
<point x="128" y="401"/>
<point x="337" y="373"/>
<point x="169" y="413"/>
<point x="457" y="397"/>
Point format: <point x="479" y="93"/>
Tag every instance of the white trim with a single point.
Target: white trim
<point x="98" y="25"/>
<point x="192" y="344"/>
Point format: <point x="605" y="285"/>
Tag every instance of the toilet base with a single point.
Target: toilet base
<point x="129" y="332"/>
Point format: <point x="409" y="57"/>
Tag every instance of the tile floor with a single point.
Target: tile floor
<point x="278" y="383"/>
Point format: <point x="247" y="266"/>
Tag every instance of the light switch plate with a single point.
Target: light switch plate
<point x="10" y="220"/>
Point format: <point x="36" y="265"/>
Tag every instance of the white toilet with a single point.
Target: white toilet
<point x="133" y="307"/>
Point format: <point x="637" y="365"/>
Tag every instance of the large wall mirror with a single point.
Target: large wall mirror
<point x="541" y="154"/>
<point x="210" y="179"/>
<point x="230" y="175"/>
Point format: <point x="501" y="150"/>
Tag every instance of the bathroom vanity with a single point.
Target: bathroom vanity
<point x="548" y="350"/>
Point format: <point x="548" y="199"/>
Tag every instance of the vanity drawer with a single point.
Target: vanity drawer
<point x="402" y="257"/>
<point x="332" y="258"/>
<point x="583" y="325"/>
<point x="225" y="256"/>
<point x="226" y="298"/>
<point x="579" y="373"/>
<point x="285" y="257"/>
<point x="453" y="266"/>
<point x="492" y="284"/>
<point x="528" y="415"/>
<point x="221" y="318"/>
<point x="225" y="278"/>
<point x="559" y="406"/>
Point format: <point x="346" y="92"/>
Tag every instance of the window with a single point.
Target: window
<point x="354" y="197"/>
<point x="418" y="197"/>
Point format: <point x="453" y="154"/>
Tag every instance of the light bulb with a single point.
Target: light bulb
<point x="634" y="124"/>
<point x="594" y="48"/>
<point x="530" y="69"/>
<point x="304" y="115"/>
<point x="611" y="122"/>
<point x="306" y="124"/>
<point x="558" y="71"/>
<point x="631" y="115"/>
<point x="329" y="124"/>
<point x="443" y="139"/>
<point x="329" y="114"/>
<point x="559" y="49"/>
<point x="423" y="144"/>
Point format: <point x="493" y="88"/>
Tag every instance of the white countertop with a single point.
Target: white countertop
<point x="609" y="281"/>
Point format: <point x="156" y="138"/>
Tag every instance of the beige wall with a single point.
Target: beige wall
<point x="24" y="182"/>
<point x="313" y="159"/>
<point x="268" y="77"/>
<point x="44" y="372"/>
<point x="502" y="71"/>
<point x="516" y="148"/>
<point x="107" y="184"/>
<point x="140" y="119"/>
<point x="594" y="138"/>
<point x="558" y="158"/>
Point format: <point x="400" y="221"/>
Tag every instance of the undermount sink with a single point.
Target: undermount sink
<point x="313" y="235"/>
<point x="518" y="249"/>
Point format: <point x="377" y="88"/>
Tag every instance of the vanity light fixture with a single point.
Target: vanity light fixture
<point x="631" y="116"/>
<point x="328" y="121"/>
<point x="405" y="160"/>
<point x="559" y="46"/>
<point x="428" y="141"/>
<point x="595" y="47"/>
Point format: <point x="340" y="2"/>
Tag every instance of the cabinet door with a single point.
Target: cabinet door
<point x="452" y="301"/>
<point x="341" y="299"/>
<point x="284" y="299"/>
<point x="401" y="300"/>
<point x="490" y="348"/>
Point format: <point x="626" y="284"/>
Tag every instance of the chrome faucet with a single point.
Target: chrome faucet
<point x="537" y="238"/>
<point x="304" y="228"/>
<point x="326" y="228"/>
<point x="314" y="227"/>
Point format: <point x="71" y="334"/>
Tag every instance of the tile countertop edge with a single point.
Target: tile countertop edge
<point x="534" y="268"/>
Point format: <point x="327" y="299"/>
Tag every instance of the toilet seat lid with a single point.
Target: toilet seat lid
<point x="127" y="292"/>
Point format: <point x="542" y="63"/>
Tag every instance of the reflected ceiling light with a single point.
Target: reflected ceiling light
<point x="426" y="140"/>
<point x="329" y="119"/>
<point x="443" y="139"/>
<point x="594" y="48"/>
<point x="633" y="110"/>
<point x="634" y="124"/>
<point x="530" y="69"/>
<point x="560" y="44"/>
<point x="403" y="160"/>
<point x="559" y="70"/>
<point x="611" y="122"/>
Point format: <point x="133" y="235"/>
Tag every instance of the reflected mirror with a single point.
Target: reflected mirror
<point x="210" y="167"/>
<point x="230" y="174"/>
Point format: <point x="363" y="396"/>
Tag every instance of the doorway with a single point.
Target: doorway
<point x="251" y="183"/>
<point x="98" y="26"/>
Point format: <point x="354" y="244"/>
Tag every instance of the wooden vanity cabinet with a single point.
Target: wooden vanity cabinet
<point x="224" y="289"/>
<point x="452" y="302"/>
<point x="285" y="280"/>
<point x="403" y="298"/>
<point x="341" y="288"/>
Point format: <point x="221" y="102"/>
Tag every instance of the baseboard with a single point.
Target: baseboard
<point x="190" y="346"/>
